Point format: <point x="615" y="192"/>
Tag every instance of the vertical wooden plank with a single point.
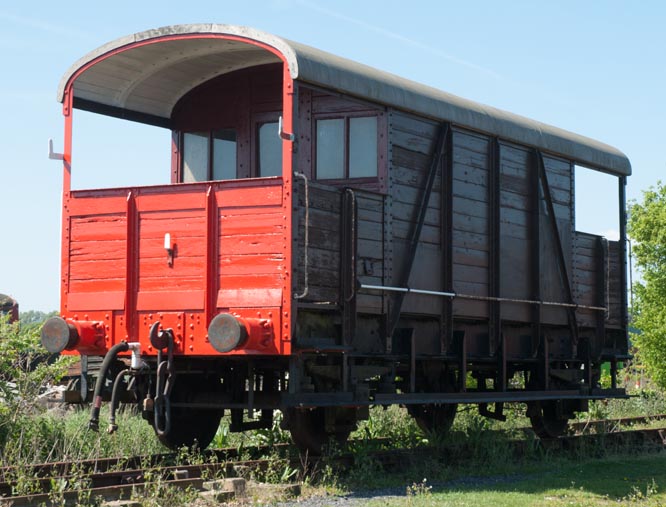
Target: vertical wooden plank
<point x="132" y="267"/>
<point x="388" y="238"/>
<point x="446" y="316"/>
<point x="535" y="259"/>
<point x="494" y="326"/>
<point x="211" y="259"/>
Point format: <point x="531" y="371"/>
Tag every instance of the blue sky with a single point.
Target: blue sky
<point x="597" y="68"/>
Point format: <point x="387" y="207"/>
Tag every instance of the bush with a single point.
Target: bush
<point x="25" y="373"/>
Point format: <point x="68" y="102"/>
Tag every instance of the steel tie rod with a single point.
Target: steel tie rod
<point x="409" y="290"/>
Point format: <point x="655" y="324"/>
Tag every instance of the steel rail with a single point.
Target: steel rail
<point x="123" y="483"/>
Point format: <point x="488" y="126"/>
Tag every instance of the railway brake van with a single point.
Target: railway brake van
<point x="333" y="237"/>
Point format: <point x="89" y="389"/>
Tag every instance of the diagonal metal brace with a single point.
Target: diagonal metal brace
<point x="435" y="163"/>
<point x="571" y="311"/>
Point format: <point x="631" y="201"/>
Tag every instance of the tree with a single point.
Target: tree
<point x="35" y="316"/>
<point x="647" y="229"/>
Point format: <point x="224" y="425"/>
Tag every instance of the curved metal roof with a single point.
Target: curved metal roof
<point x="134" y="75"/>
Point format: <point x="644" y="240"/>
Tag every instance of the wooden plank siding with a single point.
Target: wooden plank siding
<point x="411" y="142"/>
<point x="385" y="221"/>
<point x="471" y="226"/>
<point x="323" y="249"/>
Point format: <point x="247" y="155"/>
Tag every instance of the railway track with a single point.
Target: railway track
<point x="220" y="474"/>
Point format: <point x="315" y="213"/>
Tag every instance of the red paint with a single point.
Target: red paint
<point x="229" y="253"/>
<point x="231" y="242"/>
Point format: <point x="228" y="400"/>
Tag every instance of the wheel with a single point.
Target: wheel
<point x="314" y="429"/>
<point x="433" y="419"/>
<point x="436" y="419"/>
<point x="545" y="421"/>
<point x="190" y="426"/>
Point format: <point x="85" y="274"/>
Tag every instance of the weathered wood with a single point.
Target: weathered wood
<point x="470" y="256"/>
<point x="475" y="274"/>
<point x="470" y="224"/>
<point x="470" y="207"/>
<point x="469" y="190"/>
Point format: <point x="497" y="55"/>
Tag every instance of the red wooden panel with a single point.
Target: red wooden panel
<point x="96" y="270"/>
<point x="96" y="205"/>
<point x="255" y="297"/>
<point x="108" y="300"/>
<point x="251" y="244"/>
<point x="170" y="300"/>
<point x="95" y="250"/>
<point x="98" y="228"/>
<point x="96" y="284"/>
<point x="251" y="264"/>
<point x="264" y="223"/>
<point x="233" y="281"/>
<point x="245" y="197"/>
<point x="188" y="198"/>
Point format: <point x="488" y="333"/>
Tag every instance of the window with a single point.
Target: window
<point x="224" y="154"/>
<point x="195" y="157"/>
<point x="363" y="147"/>
<point x="270" y="150"/>
<point x="330" y="149"/>
<point x="346" y="147"/>
<point x="209" y="155"/>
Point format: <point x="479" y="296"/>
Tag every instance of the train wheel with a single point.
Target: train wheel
<point x="433" y="419"/>
<point x="190" y="426"/>
<point x="313" y="430"/>
<point x="545" y="421"/>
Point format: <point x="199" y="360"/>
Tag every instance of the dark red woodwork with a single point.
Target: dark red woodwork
<point x="236" y="100"/>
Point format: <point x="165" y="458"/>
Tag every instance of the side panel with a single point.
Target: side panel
<point x="179" y="254"/>
<point x="411" y="143"/>
<point x="97" y="254"/>
<point x="471" y="222"/>
<point x="249" y="256"/>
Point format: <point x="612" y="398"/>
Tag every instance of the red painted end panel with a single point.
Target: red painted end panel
<point x="179" y="254"/>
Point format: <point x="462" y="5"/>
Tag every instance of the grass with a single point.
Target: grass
<point x="616" y="480"/>
<point x="63" y="435"/>
<point x="482" y="471"/>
